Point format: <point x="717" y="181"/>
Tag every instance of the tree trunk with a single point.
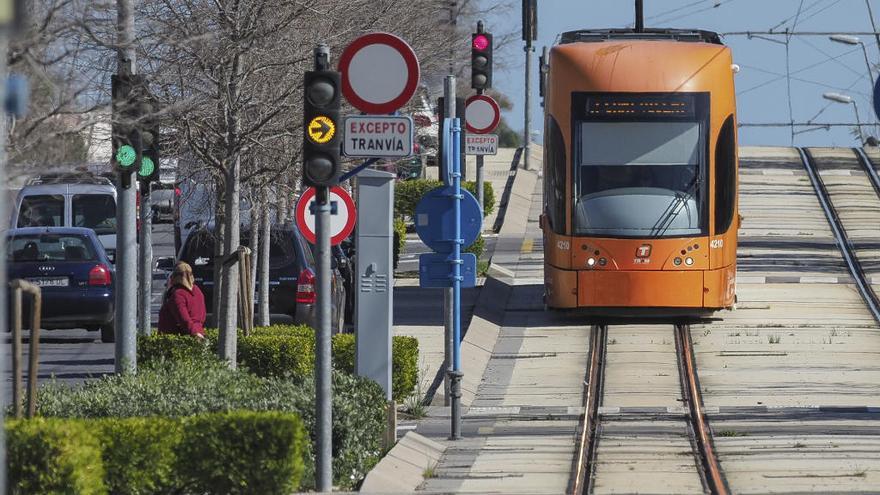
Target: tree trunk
<point x="264" y="265"/>
<point x="229" y="301"/>
<point x="219" y="237"/>
<point x="257" y="210"/>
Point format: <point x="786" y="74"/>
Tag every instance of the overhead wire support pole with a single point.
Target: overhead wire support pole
<point x="323" y="380"/>
<point x="126" y="238"/>
<point x="449" y="344"/>
<point x="456" y="279"/>
<point x="145" y="262"/>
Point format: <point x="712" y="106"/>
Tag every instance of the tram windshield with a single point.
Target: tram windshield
<point x="639" y="179"/>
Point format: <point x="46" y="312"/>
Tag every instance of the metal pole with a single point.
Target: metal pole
<point x="264" y="265"/>
<point x="527" y="112"/>
<point x="873" y="24"/>
<point x="859" y="122"/>
<point x="34" y="347"/>
<point x="324" y="401"/>
<point x="16" y="351"/>
<point x="145" y="262"/>
<point x="449" y="100"/>
<point x="3" y="275"/>
<point x="456" y="281"/>
<point x="480" y="176"/>
<point x="868" y="63"/>
<point x="126" y="232"/>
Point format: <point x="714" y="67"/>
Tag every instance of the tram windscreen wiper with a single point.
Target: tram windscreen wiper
<point x="674" y="207"/>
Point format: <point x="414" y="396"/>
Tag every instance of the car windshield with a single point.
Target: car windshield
<point x="95" y="211"/>
<point x="42" y="210"/>
<point x="49" y="247"/>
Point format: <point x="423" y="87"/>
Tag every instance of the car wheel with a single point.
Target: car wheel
<point x="108" y="333"/>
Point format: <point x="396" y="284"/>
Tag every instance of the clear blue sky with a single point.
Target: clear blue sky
<point x="817" y="64"/>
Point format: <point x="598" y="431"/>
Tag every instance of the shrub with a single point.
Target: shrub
<point x="168" y="347"/>
<point x="50" y="456"/>
<point x="408" y="194"/>
<point x="242" y="452"/>
<point x="477" y="246"/>
<point x="139" y="454"/>
<point x="289" y="351"/>
<point x="399" y="246"/>
<point x="187" y="388"/>
<point x="404" y="362"/>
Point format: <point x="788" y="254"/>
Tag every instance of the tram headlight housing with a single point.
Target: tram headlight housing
<point x="591" y="262"/>
<point x="689" y="261"/>
<point x="676" y="262"/>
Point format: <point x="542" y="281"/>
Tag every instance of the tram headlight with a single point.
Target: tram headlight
<point x="603" y="262"/>
<point x="676" y="262"/>
<point x="591" y="262"/>
<point x="688" y="261"/>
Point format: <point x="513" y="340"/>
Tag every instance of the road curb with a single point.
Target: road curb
<point x="405" y="466"/>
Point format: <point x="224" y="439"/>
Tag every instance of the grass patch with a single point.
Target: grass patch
<point x="730" y="434"/>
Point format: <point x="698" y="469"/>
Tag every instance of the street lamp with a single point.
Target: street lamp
<point x="853" y="40"/>
<point x="847" y="100"/>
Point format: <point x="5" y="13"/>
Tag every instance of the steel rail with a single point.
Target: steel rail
<point x="704" y="450"/>
<point x="588" y="438"/>
<point x="868" y="166"/>
<point x="847" y="249"/>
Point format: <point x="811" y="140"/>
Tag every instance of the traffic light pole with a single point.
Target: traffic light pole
<point x="145" y="262"/>
<point x="126" y="255"/>
<point x="323" y="380"/>
<point x="480" y="174"/>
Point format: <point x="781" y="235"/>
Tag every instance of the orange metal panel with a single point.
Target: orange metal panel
<point x="561" y="287"/>
<point x="720" y="287"/>
<point x="667" y="289"/>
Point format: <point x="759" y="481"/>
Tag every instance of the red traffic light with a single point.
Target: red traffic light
<point x="481" y="42"/>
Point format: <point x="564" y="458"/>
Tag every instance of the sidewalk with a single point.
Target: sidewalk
<point x="519" y="424"/>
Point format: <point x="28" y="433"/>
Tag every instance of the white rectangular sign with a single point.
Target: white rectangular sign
<point x="375" y="136"/>
<point x="481" y="144"/>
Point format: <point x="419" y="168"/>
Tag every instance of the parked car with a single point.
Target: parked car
<point x="292" y="292"/>
<point x="71" y="267"/>
<point x="162" y="203"/>
<point x="69" y="200"/>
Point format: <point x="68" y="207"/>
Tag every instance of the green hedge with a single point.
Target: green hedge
<point x="404" y="362"/>
<point x="51" y="456"/>
<point x="399" y="246"/>
<point x="139" y="454"/>
<point x="242" y="452"/>
<point x="408" y="194"/>
<point x="237" y="452"/>
<point x="184" y="388"/>
<point x="283" y="351"/>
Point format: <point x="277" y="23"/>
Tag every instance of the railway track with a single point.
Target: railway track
<point x="596" y="469"/>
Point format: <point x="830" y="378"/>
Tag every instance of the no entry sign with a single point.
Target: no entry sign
<point x="377" y="136"/>
<point x="481" y="114"/>
<point x="380" y="73"/>
<point x="342" y="215"/>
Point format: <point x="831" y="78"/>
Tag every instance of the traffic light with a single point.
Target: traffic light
<point x="321" y="131"/>
<point x="481" y="59"/>
<point x="125" y="135"/>
<point x="149" y="131"/>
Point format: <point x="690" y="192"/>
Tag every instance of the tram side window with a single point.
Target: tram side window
<point x="725" y="177"/>
<point x="554" y="188"/>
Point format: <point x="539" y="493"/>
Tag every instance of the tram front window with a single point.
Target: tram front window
<point x="639" y="179"/>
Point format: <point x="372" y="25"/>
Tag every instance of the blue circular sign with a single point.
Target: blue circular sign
<point x="435" y="219"/>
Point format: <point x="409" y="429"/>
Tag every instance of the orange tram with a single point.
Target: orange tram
<point x="640" y="210"/>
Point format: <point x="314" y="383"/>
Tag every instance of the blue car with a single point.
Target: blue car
<point x="70" y="266"/>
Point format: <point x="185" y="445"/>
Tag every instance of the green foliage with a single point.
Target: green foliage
<point x="51" y="456"/>
<point x="488" y="195"/>
<point x="477" y="247"/>
<point x="507" y="137"/>
<point x="140" y="454"/>
<point x="404" y="362"/>
<point x="186" y="388"/>
<point x="242" y="452"/>
<point x="399" y="246"/>
<point x="408" y="194"/>
<point x="157" y="347"/>
<point x="285" y="351"/>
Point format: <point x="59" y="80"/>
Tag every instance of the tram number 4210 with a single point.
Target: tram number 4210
<point x="716" y="244"/>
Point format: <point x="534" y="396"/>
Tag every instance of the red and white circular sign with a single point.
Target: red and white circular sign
<point x="341" y="224"/>
<point x="380" y="73"/>
<point x="481" y="114"/>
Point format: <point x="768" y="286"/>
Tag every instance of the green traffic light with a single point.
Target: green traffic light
<point x="125" y="156"/>
<point x="147" y="167"/>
